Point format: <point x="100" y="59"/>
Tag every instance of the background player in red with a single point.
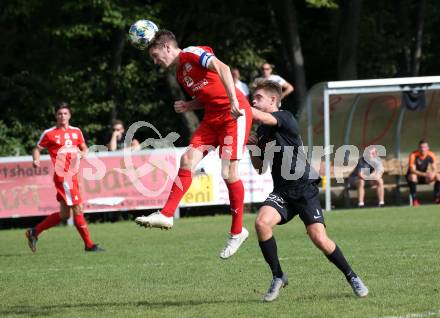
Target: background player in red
<point x="226" y="123"/>
<point x="65" y="145"/>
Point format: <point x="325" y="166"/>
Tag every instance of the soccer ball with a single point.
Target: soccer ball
<point x="141" y="33"/>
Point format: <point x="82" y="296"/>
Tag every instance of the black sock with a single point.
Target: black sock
<point x="339" y="260"/>
<point x="412" y="189"/>
<point x="437" y="189"/>
<point x="270" y="253"/>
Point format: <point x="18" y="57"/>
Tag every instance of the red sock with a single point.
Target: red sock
<point x="236" y="200"/>
<point x="177" y="193"/>
<point x="81" y="226"/>
<point x="50" y="220"/>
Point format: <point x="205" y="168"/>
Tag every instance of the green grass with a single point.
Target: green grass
<point x="153" y="273"/>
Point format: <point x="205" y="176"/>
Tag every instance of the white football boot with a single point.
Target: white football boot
<point x="233" y="244"/>
<point x="275" y="287"/>
<point x="358" y="286"/>
<point x="155" y="219"/>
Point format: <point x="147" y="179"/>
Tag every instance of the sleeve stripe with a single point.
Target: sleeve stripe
<point x="205" y="59"/>
<point x="43" y="134"/>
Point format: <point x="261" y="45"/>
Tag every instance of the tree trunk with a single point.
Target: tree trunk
<point x="349" y="20"/>
<point x="417" y="54"/>
<point x="190" y="119"/>
<point x="115" y="67"/>
<point x="403" y="16"/>
<point x="412" y="40"/>
<point x="285" y="15"/>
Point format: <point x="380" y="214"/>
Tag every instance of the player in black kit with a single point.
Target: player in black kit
<point x="295" y="188"/>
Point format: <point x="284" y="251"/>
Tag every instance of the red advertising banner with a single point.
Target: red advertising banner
<point x="108" y="182"/>
<point x="122" y="181"/>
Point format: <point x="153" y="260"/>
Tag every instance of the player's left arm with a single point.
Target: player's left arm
<point x="264" y="118"/>
<point x="224" y="72"/>
<point x="434" y="163"/>
<point x="287" y="89"/>
<point x="432" y="168"/>
<point x="83" y="150"/>
<point x="256" y="161"/>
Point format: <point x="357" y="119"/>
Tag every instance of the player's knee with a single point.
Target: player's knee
<point x="185" y="161"/>
<point x="319" y="239"/>
<point x="77" y="210"/>
<point x="261" y="225"/>
<point x="412" y="177"/>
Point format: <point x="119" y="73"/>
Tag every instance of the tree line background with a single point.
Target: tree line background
<point x="77" y="51"/>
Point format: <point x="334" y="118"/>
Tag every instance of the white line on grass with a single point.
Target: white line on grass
<point x="418" y="314"/>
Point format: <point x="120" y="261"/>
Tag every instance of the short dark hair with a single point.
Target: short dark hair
<point x="117" y="122"/>
<point x="62" y="105"/>
<point x="423" y="141"/>
<point x="162" y="37"/>
<point x="270" y="86"/>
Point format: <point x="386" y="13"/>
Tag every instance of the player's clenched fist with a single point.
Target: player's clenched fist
<point x="181" y="106"/>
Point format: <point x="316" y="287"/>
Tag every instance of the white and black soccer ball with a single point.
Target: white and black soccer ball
<point x="141" y="33"/>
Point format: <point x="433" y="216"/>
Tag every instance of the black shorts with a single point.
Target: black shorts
<point x="289" y="203"/>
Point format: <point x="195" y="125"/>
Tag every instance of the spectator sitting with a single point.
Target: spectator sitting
<point x="422" y="170"/>
<point x="266" y="73"/>
<point x="118" y="140"/>
<point x="360" y="177"/>
<point x="239" y="84"/>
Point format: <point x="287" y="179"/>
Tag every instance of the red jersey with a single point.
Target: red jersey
<point x="62" y="145"/>
<point x="200" y="82"/>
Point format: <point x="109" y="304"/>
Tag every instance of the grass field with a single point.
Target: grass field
<point x="153" y="273"/>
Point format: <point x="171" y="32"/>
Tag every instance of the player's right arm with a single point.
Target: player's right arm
<point x="36" y="153"/>
<point x="113" y="141"/>
<point x="182" y="106"/>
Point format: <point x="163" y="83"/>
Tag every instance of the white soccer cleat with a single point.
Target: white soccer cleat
<point x="234" y="243"/>
<point x="155" y="219"/>
<point x="358" y="286"/>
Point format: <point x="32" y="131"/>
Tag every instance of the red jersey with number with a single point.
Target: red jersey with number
<point x="201" y="83"/>
<point x="62" y="145"/>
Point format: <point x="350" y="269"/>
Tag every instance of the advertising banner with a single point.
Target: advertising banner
<point x="121" y="181"/>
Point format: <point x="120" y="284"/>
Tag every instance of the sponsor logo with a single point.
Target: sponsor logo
<point x="318" y="215"/>
<point x="200" y="85"/>
<point x="188" y="81"/>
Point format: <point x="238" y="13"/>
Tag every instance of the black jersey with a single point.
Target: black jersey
<point x="421" y="161"/>
<point x="284" y="143"/>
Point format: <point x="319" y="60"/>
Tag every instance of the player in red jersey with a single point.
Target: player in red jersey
<point x="65" y="145"/>
<point x="226" y="123"/>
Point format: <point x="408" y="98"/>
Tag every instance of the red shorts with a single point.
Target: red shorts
<point x="222" y="129"/>
<point x="68" y="191"/>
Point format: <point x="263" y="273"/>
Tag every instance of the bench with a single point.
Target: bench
<point x="394" y="180"/>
